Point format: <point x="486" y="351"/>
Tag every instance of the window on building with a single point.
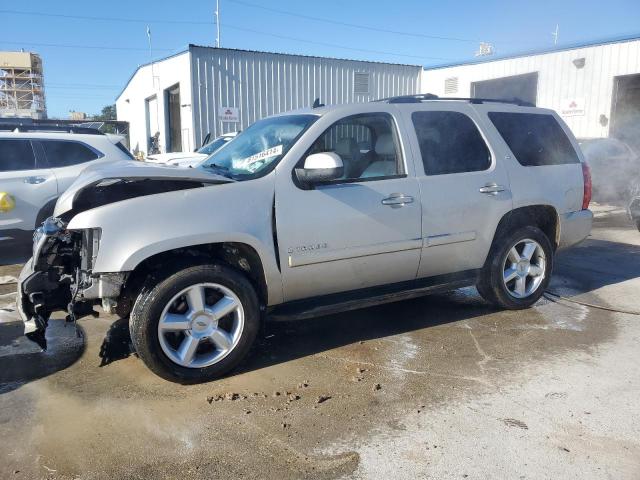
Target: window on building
<point x="450" y="143"/>
<point x="535" y="139"/>
<point x="361" y="83"/>
<point x="64" y="154"/>
<point x="16" y="155"/>
<point x="367" y="145"/>
<point x="451" y="85"/>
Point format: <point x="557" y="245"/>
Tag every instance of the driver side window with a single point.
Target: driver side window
<point x="367" y="145"/>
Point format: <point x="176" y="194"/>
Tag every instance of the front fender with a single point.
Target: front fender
<point x="136" y="229"/>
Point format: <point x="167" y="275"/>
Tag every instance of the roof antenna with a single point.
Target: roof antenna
<point x="317" y="104"/>
<point x="555" y="34"/>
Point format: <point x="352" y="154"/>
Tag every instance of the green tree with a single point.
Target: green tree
<point x="108" y="113"/>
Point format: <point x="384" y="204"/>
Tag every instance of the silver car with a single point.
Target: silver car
<point x="308" y="213"/>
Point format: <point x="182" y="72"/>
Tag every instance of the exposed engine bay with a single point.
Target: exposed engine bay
<point x="54" y="278"/>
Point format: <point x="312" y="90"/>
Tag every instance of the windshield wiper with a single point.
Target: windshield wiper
<point x="219" y="170"/>
<point x="217" y="167"/>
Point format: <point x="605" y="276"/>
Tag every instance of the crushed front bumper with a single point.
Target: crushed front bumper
<point x="29" y="322"/>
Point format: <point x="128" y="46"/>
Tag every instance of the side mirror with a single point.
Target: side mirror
<point x="320" y="167"/>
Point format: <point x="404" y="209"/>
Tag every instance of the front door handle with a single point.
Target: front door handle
<point x="492" y="189"/>
<point x="396" y="200"/>
<point x="34" y="180"/>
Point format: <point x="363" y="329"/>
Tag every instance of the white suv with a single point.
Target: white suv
<point x="38" y="163"/>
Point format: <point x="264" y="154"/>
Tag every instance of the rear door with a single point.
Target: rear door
<point x="464" y="186"/>
<point x="67" y="158"/>
<point x="28" y="181"/>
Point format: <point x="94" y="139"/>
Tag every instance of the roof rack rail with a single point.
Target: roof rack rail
<point x="512" y="101"/>
<point x="20" y="127"/>
<point x="425" y="97"/>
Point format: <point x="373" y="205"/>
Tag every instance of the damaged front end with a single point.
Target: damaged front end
<point x="59" y="278"/>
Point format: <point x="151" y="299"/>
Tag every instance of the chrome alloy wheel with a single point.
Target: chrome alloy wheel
<point x="201" y="325"/>
<point x="524" y="268"/>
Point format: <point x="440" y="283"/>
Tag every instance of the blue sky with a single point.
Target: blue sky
<point x="86" y="79"/>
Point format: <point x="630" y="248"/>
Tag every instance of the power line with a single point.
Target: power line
<point x="82" y="85"/>
<point x="106" y="19"/>
<point x="90" y="47"/>
<point x="354" y="25"/>
<point x="332" y="45"/>
<point x="234" y="27"/>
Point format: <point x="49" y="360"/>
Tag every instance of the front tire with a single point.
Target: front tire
<point x="196" y="324"/>
<point x="518" y="269"/>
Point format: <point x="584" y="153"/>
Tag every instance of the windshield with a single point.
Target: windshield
<point x="259" y="147"/>
<point x="209" y="148"/>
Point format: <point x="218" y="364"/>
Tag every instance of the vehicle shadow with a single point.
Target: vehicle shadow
<point x="117" y="343"/>
<point x="23" y="361"/>
<point x="14" y="252"/>
<point x="595" y="264"/>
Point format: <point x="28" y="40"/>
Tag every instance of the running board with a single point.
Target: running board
<point x="369" y="297"/>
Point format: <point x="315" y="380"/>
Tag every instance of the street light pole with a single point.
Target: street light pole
<point x="217" y="15"/>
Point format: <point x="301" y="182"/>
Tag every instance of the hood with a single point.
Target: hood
<point x="166" y="157"/>
<point x="187" y="162"/>
<point x="101" y="184"/>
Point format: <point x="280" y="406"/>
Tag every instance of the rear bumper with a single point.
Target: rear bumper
<point x="574" y="227"/>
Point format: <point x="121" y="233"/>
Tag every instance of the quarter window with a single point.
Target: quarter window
<point x="450" y="143"/>
<point x="64" y="154"/>
<point x="16" y="155"/>
<point x="535" y="139"/>
<point x="367" y="145"/>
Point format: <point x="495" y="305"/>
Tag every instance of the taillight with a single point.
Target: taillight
<point x="586" y="175"/>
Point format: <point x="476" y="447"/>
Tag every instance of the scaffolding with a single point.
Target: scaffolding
<point x="21" y="86"/>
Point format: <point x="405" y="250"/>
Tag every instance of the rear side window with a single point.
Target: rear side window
<point x="16" y="155"/>
<point x="535" y="139"/>
<point x="64" y="154"/>
<point x="450" y="143"/>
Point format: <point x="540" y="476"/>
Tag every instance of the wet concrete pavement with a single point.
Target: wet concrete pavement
<point x="437" y="387"/>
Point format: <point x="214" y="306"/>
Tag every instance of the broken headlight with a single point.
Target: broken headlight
<point x="49" y="228"/>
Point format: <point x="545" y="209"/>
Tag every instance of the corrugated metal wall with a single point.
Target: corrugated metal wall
<point x="262" y="84"/>
<point x="558" y="80"/>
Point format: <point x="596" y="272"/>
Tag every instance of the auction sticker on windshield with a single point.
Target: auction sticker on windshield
<point x="254" y="162"/>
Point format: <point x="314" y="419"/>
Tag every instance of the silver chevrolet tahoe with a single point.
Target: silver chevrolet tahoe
<point x="311" y="212"/>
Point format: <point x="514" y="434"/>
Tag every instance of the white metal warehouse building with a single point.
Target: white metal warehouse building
<point x="206" y="90"/>
<point x="594" y="86"/>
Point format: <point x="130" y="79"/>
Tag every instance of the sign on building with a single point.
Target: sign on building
<point x="572" y="107"/>
<point x="229" y="114"/>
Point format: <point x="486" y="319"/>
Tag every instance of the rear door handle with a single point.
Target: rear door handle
<point x="492" y="189"/>
<point x="397" y="200"/>
<point x="35" y="180"/>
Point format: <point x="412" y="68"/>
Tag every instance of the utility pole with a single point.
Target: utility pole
<point x="217" y="16"/>
<point x="153" y="80"/>
<point x="556" y="34"/>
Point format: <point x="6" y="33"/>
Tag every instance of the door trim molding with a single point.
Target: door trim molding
<point x="447" y="238"/>
<point x="309" y="257"/>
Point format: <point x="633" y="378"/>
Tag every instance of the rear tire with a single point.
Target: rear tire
<point x="518" y="269"/>
<point x="196" y="324"/>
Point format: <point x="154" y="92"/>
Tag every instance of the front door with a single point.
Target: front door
<point x="465" y="190"/>
<point x="356" y="232"/>
<point x="31" y="185"/>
